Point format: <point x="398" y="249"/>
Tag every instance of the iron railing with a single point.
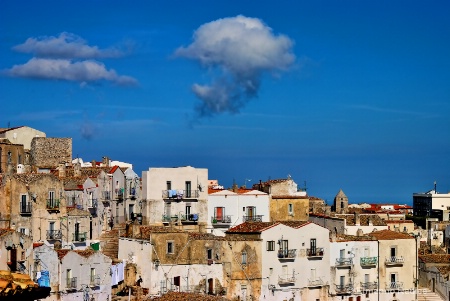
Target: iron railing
<point x="286" y="279"/>
<point x="252" y="218"/>
<point x="344" y="288"/>
<point x="393" y="260"/>
<point x="368" y="261"/>
<point x="287" y="254"/>
<point x="54" y="234"/>
<point x="224" y="219"/>
<point x="25" y="208"/>
<point x="52" y="204"/>
<point x="180" y="194"/>
<point x="71" y="282"/>
<point x="316" y="282"/>
<point x="314" y="252"/>
<point x="344" y="261"/>
<point x="80" y="236"/>
<point x="366" y="286"/>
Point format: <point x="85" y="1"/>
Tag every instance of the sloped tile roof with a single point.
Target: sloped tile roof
<point x="390" y="235"/>
<point x="435" y="258"/>
<point x="252" y="227"/>
<point x="295" y="224"/>
<point x="5" y="231"/>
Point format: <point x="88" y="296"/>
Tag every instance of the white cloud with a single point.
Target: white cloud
<point x="67" y="46"/>
<point x="63" y="69"/>
<point x="242" y="49"/>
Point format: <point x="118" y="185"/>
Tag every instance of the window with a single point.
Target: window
<point x="219" y="212"/>
<point x="92" y="275"/>
<point x="69" y="277"/>
<point x="170" y="247"/>
<point x="169" y="185"/>
<point x="284" y="245"/>
<point x="188" y="211"/>
<point x="393" y="251"/>
<point x="342" y="281"/>
<point x="209" y="254"/>
<point x="271" y="245"/>
<point x="290" y="209"/>
<point x="270" y="271"/>
<point x="188" y="188"/>
<point x="244" y="257"/>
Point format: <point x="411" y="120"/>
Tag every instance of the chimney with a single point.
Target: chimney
<point x="105" y="161"/>
<point x="359" y="232"/>
<point x="77" y="169"/>
<point x="62" y="170"/>
<point x="357" y="219"/>
<point x="94" y="164"/>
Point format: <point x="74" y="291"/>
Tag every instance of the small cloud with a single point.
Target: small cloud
<point x="87" y="130"/>
<point x="65" y="46"/>
<point x="63" y="69"/>
<point x="241" y="50"/>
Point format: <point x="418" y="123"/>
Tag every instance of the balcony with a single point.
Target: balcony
<point x="54" y="234"/>
<point x="119" y="195"/>
<point x="344" y="262"/>
<point x="394" y="261"/>
<point x="80" y="236"/>
<point x="25" y="208"/>
<point x="94" y="281"/>
<point x="133" y="193"/>
<point x="252" y="218"/>
<point x="106" y="196"/>
<point x="169" y="218"/>
<point x="367" y="262"/>
<point x="179" y="194"/>
<point x="189" y="218"/>
<point x="284" y="255"/>
<point x="92" y="203"/>
<point x="286" y="280"/>
<point x="314" y="253"/>
<point x="71" y="283"/>
<point x="344" y="289"/>
<point x="221" y="221"/>
<point x="52" y="205"/>
<point x="315" y="282"/>
<point x="397" y="286"/>
<point x="369" y="286"/>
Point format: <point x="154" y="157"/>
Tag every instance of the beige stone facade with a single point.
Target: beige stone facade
<point x="50" y="152"/>
<point x="289" y="208"/>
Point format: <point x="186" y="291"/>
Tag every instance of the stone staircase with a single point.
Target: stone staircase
<point x="109" y="241"/>
<point x="425" y="294"/>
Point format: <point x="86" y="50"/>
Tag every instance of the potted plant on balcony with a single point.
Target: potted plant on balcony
<point x="214" y="221"/>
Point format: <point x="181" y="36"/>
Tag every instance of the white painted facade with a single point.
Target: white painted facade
<point x="302" y="274"/>
<point x="22" y="135"/>
<point x="227" y="209"/>
<point x="175" y="195"/>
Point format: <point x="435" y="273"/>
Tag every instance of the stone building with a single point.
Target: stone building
<point x="340" y="204"/>
<point x="21" y="135"/>
<point x="12" y="157"/>
<point x="48" y="153"/>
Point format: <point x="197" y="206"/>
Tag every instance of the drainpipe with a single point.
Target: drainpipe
<point x="378" y="292"/>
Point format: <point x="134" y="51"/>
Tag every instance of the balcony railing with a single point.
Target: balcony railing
<point x="53" y="204"/>
<point x="342" y="289"/>
<point x="252" y="218"/>
<point x="344" y="262"/>
<point x="315" y="252"/>
<point x="72" y="283"/>
<point x="368" y="261"/>
<point x="106" y="195"/>
<point x="169" y="218"/>
<point x="95" y="280"/>
<point x="369" y="286"/>
<point x="224" y="219"/>
<point x="179" y="194"/>
<point x="80" y="236"/>
<point x="284" y="280"/>
<point x="25" y="208"/>
<point x="92" y="203"/>
<point x="395" y="260"/>
<point x="394" y="285"/>
<point x="287" y="254"/>
<point x="119" y="194"/>
<point x="192" y="217"/>
<point x="315" y="282"/>
<point x="54" y="234"/>
<point x="133" y="193"/>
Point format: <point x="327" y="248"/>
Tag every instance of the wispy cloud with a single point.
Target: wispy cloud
<point x="67" y="57"/>
<point x="240" y="50"/>
<point x="67" y="46"/>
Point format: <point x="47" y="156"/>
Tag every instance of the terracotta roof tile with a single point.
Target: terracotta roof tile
<point x="5" y="231"/>
<point x="435" y="258"/>
<point x="390" y="235"/>
<point x="252" y="227"/>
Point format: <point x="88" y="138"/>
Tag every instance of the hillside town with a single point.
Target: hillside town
<point x="74" y="228"/>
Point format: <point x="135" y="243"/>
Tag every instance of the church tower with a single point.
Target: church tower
<point x="340" y="204"/>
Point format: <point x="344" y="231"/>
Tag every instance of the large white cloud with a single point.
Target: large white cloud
<point x="242" y="49"/>
<point x="63" y="69"/>
<point x="66" y="45"/>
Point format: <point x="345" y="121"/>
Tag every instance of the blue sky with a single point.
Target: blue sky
<point x="340" y="94"/>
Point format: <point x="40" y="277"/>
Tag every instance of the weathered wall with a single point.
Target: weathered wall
<point x="279" y="208"/>
<point x="49" y="152"/>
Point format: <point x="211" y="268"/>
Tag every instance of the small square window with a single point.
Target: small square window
<point x="244" y="257"/>
<point x="271" y="245"/>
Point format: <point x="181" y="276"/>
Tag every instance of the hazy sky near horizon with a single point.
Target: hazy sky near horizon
<point x="340" y="94"/>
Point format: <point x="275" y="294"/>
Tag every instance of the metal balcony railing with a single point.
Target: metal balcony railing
<point x="92" y="203"/>
<point x="224" y="219"/>
<point x="287" y="254"/>
<point x="315" y="252"/>
<point x="252" y="218"/>
<point x="119" y="194"/>
<point x="169" y="218"/>
<point x="395" y="260"/>
<point x="72" y="283"/>
<point x="95" y="280"/>
<point x="315" y="282"/>
<point x="180" y="194"/>
<point x="344" y="289"/>
<point x="368" y="286"/>
<point x="394" y="285"/>
<point x="192" y="217"/>
<point x="106" y="195"/>
<point x="54" y="234"/>
<point x="80" y="236"/>
<point x="368" y="261"/>
<point x="344" y="262"/>
<point x="286" y="280"/>
<point x="25" y="208"/>
<point x="52" y="204"/>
